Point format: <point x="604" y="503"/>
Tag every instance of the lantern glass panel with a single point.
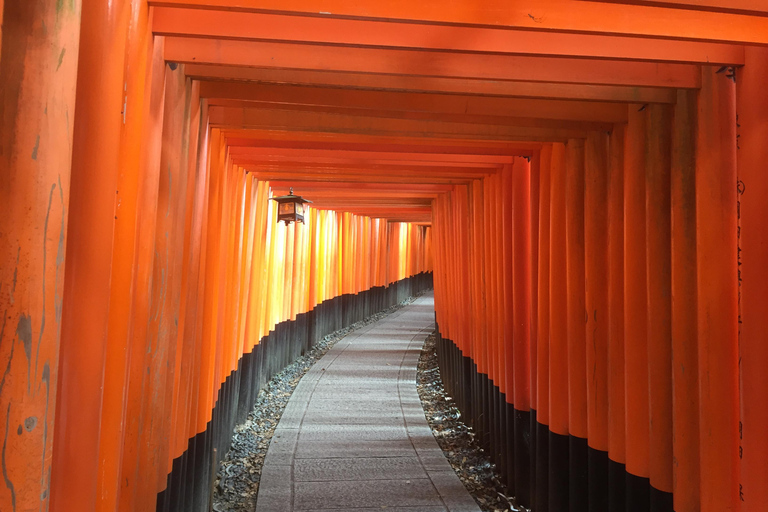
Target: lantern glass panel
<point x="299" y="208"/>
<point x="286" y="208"/>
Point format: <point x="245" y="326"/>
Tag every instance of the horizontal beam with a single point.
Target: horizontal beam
<point x="532" y="122"/>
<point x="343" y="168"/>
<point x="354" y="32"/>
<point x="449" y="85"/>
<point x="361" y="187"/>
<point x="357" y="197"/>
<point x="540" y="15"/>
<point x="422" y="63"/>
<point x="362" y="161"/>
<point x="286" y="120"/>
<point x="410" y="159"/>
<point x="458" y="105"/>
<point x="296" y="178"/>
<point x="376" y="211"/>
<point x="283" y="138"/>
<point x="747" y="7"/>
<point x="377" y="146"/>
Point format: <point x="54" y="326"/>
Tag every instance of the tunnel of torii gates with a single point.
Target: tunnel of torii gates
<point x="583" y="182"/>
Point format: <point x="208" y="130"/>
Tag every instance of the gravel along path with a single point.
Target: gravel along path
<point x="457" y="440"/>
<point x="237" y="481"/>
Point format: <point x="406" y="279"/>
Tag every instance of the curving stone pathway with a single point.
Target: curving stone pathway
<point x="353" y="437"/>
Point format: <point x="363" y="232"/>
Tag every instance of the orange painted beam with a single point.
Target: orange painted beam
<point x="448" y="85"/>
<point x="376" y="197"/>
<point x="281" y="138"/>
<point x="403" y="158"/>
<point x="360" y="187"/>
<point x="226" y="117"/>
<point x="378" y="209"/>
<point x="747" y="7"/>
<point x="308" y="162"/>
<point x="384" y="174"/>
<point x="223" y="24"/>
<point x="465" y="106"/>
<point x="528" y="122"/>
<point x="298" y="178"/>
<point x="413" y="62"/>
<point x="341" y="168"/>
<point x="540" y="15"/>
<point x="410" y="146"/>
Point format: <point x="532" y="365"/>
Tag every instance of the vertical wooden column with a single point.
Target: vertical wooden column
<point x="534" y="283"/>
<point x="38" y="70"/>
<point x="509" y="318"/>
<point x="480" y="352"/>
<point x="95" y="163"/>
<point x="540" y="501"/>
<point x="685" y="373"/>
<point x="577" y="352"/>
<point x="659" y="284"/>
<point x="596" y="306"/>
<point x="716" y="244"/>
<point x="616" y="389"/>
<point x="558" y="337"/>
<point x="635" y="313"/>
<point x="753" y="276"/>
<point x="127" y="188"/>
<point x="521" y="188"/>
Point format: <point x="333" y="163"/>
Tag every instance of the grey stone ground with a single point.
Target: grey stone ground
<point x="354" y="438"/>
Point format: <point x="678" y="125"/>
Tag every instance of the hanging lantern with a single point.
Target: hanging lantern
<point x="290" y="208"/>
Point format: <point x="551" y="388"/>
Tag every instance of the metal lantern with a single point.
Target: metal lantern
<point x="290" y="208"/>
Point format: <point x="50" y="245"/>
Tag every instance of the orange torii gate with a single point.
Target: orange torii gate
<point x="584" y="178"/>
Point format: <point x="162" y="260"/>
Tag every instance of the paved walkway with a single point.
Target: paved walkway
<point x="353" y="437"/>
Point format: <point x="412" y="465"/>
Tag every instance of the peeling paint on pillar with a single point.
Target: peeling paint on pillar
<point x="37" y="92"/>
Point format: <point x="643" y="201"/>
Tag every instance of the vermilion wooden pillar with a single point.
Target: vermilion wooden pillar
<point x="95" y="163"/>
<point x="138" y="51"/>
<point x="635" y="312"/>
<point x="558" y="337"/>
<point x="659" y="284"/>
<point x="716" y="246"/>
<point x="534" y="281"/>
<point x="616" y="389"/>
<point x="540" y="501"/>
<point x="38" y="69"/>
<point x="521" y="185"/>
<point x="685" y="374"/>
<point x="753" y="249"/>
<point x="596" y="306"/>
<point x="577" y="350"/>
<point x="509" y="318"/>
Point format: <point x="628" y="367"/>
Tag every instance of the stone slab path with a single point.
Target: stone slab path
<point x="354" y="438"/>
